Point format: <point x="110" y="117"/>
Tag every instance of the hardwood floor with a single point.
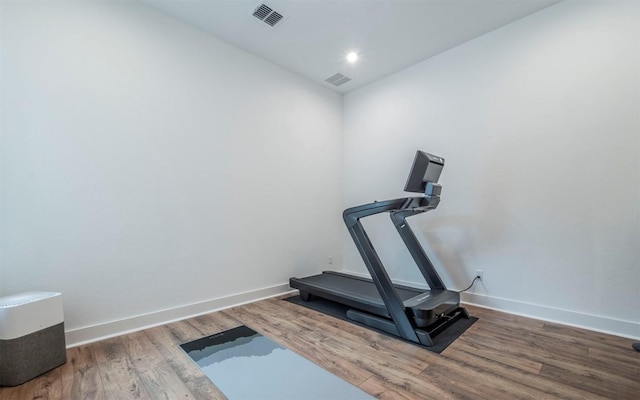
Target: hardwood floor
<point x="501" y="356"/>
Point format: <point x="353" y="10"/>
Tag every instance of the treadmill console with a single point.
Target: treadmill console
<point x="425" y="173"/>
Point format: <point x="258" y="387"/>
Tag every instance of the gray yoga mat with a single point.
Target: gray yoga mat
<point x="245" y="365"/>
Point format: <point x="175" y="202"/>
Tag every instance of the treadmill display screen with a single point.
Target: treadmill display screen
<point x="426" y="168"/>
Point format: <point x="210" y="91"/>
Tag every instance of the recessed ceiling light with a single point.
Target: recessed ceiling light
<point x="352" y="57"/>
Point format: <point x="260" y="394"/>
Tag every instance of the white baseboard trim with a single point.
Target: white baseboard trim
<point x="597" y="323"/>
<point x="94" y="333"/>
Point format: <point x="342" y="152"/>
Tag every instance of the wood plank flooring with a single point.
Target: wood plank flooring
<point x="501" y="356"/>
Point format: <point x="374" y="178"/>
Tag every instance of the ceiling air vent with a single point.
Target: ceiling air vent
<point x="267" y="15"/>
<point x="337" y="79"/>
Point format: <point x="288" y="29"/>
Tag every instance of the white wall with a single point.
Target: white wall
<point x="539" y="123"/>
<point x="147" y="165"/>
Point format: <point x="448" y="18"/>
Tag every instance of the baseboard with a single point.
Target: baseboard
<point x="597" y="323"/>
<point x="628" y="329"/>
<point x="94" y="333"/>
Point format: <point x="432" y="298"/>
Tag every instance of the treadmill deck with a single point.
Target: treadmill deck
<point x="361" y="293"/>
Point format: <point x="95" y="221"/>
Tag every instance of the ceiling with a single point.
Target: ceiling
<point x="314" y="37"/>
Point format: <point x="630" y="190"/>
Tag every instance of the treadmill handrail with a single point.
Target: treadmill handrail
<point x="399" y="209"/>
<point x="424" y="264"/>
<point x="381" y="279"/>
<point x="416" y="204"/>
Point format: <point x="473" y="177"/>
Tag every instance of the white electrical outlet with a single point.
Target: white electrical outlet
<point x="480" y="273"/>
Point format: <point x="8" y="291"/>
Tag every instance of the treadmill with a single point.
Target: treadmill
<point x="413" y="314"/>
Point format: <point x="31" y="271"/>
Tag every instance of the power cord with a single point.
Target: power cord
<point x="470" y="286"/>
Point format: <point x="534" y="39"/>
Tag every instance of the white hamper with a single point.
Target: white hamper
<point x="31" y="336"/>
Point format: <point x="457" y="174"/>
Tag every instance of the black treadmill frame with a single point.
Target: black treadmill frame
<point x="398" y="320"/>
<point x="399" y="210"/>
<point x="417" y="319"/>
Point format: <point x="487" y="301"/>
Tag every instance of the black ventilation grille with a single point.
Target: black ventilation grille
<point x="262" y="11"/>
<point x="273" y="18"/>
<point x="267" y="15"/>
<point x="337" y="79"/>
